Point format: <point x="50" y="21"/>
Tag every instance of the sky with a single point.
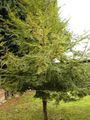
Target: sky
<point x="78" y="13"/>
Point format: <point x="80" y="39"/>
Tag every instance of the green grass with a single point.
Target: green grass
<point x="29" y="108"/>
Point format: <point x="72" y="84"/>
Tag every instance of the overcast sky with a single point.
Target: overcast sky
<point x="79" y="13"/>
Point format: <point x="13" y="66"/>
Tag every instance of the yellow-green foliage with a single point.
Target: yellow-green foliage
<point x="41" y="36"/>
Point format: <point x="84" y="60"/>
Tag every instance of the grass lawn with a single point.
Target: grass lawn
<point x="29" y="108"/>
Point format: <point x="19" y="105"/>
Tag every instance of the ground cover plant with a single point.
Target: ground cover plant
<point x="29" y="108"/>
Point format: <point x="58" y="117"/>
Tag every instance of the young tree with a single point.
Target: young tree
<point x="33" y="37"/>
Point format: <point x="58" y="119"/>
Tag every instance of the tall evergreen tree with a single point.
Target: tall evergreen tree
<point x="32" y="36"/>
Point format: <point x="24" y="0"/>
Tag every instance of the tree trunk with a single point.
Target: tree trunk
<point x="45" y="109"/>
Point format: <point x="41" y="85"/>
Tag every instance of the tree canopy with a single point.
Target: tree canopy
<point x="31" y="44"/>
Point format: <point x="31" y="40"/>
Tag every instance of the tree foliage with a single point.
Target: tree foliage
<point x="32" y="43"/>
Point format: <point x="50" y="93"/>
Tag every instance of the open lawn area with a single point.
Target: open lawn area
<point x="28" y="108"/>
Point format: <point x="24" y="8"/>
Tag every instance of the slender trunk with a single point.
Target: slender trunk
<point x="45" y="109"/>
